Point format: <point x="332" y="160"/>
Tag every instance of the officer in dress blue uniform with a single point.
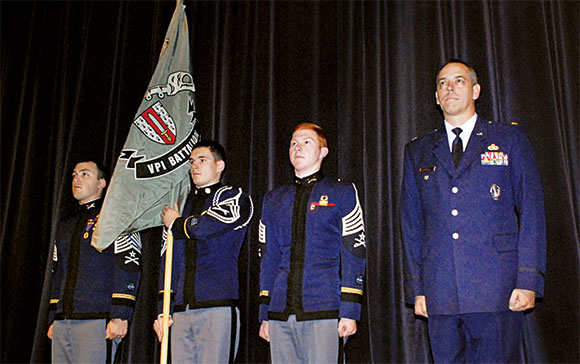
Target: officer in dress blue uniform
<point x="312" y="271"/>
<point x="93" y="293"/>
<point x="208" y="238"/>
<point x="473" y="227"/>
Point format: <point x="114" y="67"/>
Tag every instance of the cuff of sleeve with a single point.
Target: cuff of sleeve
<point x="413" y="288"/>
<point x="531" y="279"/>
<point x="350" y="310"/>
<point x="122" y="312"/>
<point x="263" y="314"/>
<point x="160" y="303"/>
<point x="178" y="229"/>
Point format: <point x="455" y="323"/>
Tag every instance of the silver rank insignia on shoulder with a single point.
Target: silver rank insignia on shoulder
<point x="493" y="147"/>
<point x="495" y="191"/>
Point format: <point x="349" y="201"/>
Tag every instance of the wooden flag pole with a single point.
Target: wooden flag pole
<point x="167" y="297"/>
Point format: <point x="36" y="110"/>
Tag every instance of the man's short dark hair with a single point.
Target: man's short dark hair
<point x="216" y="149"/>
<point x="470" y="70"/>
<point x="103" y="170"/>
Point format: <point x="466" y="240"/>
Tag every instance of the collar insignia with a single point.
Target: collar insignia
<point x="493" y="147"/>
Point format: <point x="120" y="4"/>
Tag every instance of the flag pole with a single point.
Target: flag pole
<point x="167" y="281"/>
<point x="166" y="296"/>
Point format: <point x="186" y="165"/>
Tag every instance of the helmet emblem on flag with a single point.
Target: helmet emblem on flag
<point x="157" y="125"/>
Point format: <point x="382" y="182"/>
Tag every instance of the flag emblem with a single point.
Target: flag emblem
<point x="157" y="125"/>
<point x="152" y="169"/>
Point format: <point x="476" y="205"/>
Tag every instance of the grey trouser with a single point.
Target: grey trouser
<point x="80" y="341"/>
<point x="314" y="341"/>
<point x="205" y="335"/>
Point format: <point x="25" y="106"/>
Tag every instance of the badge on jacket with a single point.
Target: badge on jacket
<point x="494" y="158"/>
<point x="323" y="202"/>
<point x="495" y="191"/>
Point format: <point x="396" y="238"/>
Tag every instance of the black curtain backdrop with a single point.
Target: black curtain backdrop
<point x="73" y="74"/>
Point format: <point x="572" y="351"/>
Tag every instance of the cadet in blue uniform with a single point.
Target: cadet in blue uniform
<point x="473" y="226"/>
<point x="313" y="264"/>
<point x="208" y="239"/>
<point x="93" y="293"/>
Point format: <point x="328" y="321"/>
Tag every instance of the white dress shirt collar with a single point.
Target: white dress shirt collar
<point x="466" y="127"/>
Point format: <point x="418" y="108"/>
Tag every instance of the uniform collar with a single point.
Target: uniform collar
<point x="207" y="190"/>
<point x="90" y="205"/>
<point x="308" y="180"/>
<point x="466" y="130"/>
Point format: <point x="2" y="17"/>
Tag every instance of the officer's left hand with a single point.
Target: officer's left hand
<point x="116" y="329"/>
<point x="346" y="327"/>
<point x="522" y="299"/>
<point x="170" y="214"/>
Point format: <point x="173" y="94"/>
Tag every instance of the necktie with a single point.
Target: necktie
<point x="457" y="149"/>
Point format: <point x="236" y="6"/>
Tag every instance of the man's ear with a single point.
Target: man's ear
<point x="102" y="183"/>
<point x="221" y="165"/>
<point x="437" y="98"/>
<point x="476" y="91"/>
<point x="323" y="152"/>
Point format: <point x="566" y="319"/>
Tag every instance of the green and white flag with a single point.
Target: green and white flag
<point x="152" y="170"/>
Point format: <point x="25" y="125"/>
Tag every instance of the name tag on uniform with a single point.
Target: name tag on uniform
<point x="427" y="169"/>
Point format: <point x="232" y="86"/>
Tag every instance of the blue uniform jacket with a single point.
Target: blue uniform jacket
<point x="219" y="232"/>
<point x="334" y="256"/>
<point x="472" y="234"/>
<point x="93" y="285"/>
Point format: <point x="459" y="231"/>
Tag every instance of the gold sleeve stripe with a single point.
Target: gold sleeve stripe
<point x="54" y="300"/>
<point x="125" y="296"/>
<point x="264" y="293"/>
<point x="163" y="291"/>
<point x="203" y="213"/>
<point x="185" y="227"/>
<point x="351" y="290"/>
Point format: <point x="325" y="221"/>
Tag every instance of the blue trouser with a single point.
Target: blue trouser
<point x="205" y="335"/>
<point x="313" y="341"/>
<point x="476" y="338"/>
<point x="80" y="341"/>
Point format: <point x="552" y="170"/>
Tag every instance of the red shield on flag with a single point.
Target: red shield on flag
<point x="157" y="125"/>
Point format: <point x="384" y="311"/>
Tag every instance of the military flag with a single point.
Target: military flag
<point x="152" y="170"/>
